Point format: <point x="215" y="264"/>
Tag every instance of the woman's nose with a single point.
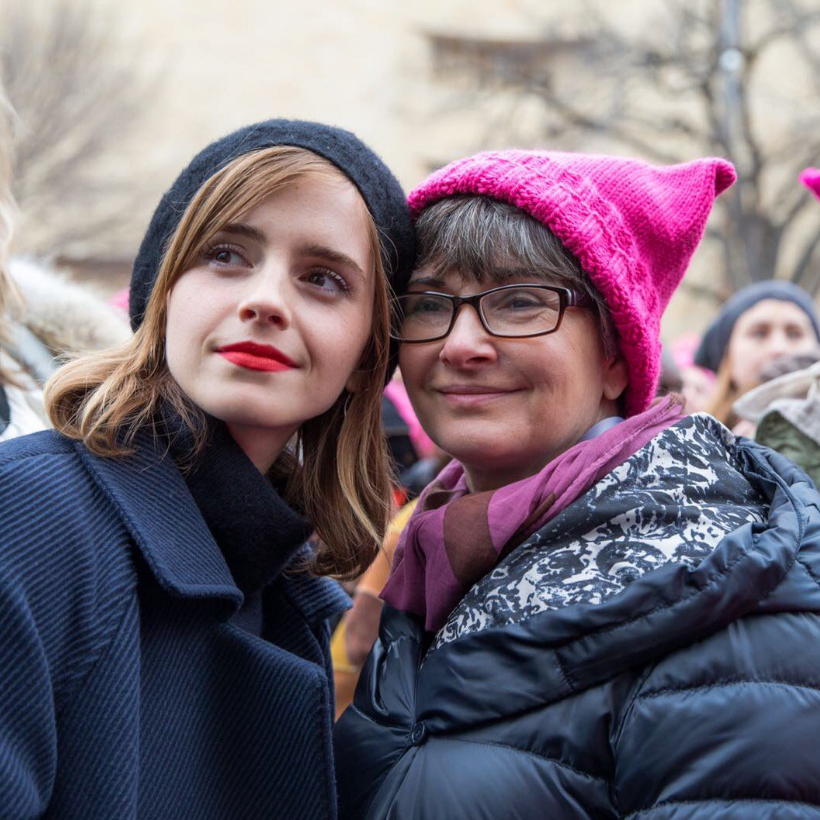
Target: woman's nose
<point x="266" y="299"/>
<point x="468" y="341"/>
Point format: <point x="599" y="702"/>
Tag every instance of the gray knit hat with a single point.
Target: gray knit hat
<point x="716" y="339"/>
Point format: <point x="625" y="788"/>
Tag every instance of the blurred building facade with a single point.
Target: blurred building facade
<point x="388" y="70"/>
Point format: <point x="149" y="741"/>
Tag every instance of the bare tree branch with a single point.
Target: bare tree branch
<point x="692" y="78"/>
<point x="79" y="97"/>
<point x="801" y="269"/>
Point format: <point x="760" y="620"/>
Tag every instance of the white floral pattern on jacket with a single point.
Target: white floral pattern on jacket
<point x="672" y="501"/>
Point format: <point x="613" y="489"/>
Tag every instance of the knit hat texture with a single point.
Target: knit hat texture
<point x="632" y="226"/>
<point x="713" y="346"/>
<point x="379" y="188"/>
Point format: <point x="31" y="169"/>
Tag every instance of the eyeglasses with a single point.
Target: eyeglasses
<point x="509" y="311"/>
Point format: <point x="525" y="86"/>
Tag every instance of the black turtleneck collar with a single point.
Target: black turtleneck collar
<point x="257" y="532"/>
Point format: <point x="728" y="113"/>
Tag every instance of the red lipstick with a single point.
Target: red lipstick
<point x="253" y="356"/>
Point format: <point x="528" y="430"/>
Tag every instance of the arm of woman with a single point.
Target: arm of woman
<point x="727" y="728"/>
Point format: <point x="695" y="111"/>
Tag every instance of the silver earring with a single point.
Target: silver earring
<point x="346" y="407"/>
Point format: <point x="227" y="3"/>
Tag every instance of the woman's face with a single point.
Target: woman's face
<point x="506" y="407"/>
<point x="268" y="326"/>
<point x="765" y="332"/>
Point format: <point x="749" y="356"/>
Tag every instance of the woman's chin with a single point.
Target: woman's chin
<point x="499" y="468"/>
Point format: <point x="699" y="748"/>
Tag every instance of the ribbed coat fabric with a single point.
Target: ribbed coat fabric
<point x="689" y="695"/>
<point x="127" y="690"/>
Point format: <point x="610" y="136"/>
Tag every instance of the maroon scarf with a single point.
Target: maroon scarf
<point x="454" y="537"/>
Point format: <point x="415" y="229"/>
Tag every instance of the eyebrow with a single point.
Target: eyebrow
<point x="331" y="255"/>
<point x="501" y="274"/>
<point x="430" y="281"/>
<point x="241" y="229"/>
<point x="311" y="249"/>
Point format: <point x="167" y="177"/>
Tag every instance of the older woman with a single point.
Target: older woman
<point x="600" y="608"/>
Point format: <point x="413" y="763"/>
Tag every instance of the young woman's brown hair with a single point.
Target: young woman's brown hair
<point x="337" y="471"/>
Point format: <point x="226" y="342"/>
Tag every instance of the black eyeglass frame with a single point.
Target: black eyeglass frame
<point x="567" y="297"/>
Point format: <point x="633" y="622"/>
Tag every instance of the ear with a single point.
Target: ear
<point x="615" y="377"/>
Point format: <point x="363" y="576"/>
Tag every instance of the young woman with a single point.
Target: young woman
<point x="163" y="648"/>
<point x="757" y="325"/>
<point x="601" y="608"/>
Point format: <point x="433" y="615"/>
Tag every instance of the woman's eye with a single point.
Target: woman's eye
<point x="521" y="303"/>
<point x="795" y="334"/>
<point x="428" y="305"/>
<point x="327" y="280"/>
<point x="528" y="301"/>
<point x="225" y="255"/>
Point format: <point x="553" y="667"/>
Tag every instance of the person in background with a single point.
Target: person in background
<point x="165" y="640"/>
<point x="416" y="461"/>
<point x="44" y="318"/>
<point x="21" y="404"/>
<point x="755" y="326"/>
<point x="359" y="627"/>
<point x="671" y="378"/>
<point x="783" y="412"/>
<point x="697" y="382"/>
<point x="601" y="607"/>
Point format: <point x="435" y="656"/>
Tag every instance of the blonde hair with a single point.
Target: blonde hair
<point x="10" y="299"/>
<point x="337" y="474"/>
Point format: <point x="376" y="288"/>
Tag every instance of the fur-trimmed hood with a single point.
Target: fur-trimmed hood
<point x="60" y="318"/>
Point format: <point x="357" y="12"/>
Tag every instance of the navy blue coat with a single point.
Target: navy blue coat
<point x="690" y="694"/>
<point x="126" y="689"/>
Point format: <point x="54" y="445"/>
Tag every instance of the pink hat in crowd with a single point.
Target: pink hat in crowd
<point x="810" y="177"/>
<point x="632" y="226"/>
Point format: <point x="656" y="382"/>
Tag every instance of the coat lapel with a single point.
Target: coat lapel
<point x="153" y="501"/>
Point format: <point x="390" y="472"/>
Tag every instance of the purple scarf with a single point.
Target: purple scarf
<point x="454" y="537"/>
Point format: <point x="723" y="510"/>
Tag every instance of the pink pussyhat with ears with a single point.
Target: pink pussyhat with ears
<point x="810" y="177"/>
<point x="632" y="226"/>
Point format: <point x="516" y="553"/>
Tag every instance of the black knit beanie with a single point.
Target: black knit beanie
<point x="713" y="346"/>
<point x="379" y="188"/>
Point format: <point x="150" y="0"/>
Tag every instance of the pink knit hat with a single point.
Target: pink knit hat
<point x="632" y="226"/>
<point x="810" y="177"/>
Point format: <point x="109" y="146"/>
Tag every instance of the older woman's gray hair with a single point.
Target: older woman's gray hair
<point x="481" y="237"/>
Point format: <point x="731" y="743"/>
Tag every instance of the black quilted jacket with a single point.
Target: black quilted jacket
<point x="692" y="693"/>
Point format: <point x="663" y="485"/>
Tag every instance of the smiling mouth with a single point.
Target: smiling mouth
<point x="473" y="396"/>
<point x="253" y="356"/>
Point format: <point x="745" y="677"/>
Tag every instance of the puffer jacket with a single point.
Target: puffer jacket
<point x="691" y="692"/>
